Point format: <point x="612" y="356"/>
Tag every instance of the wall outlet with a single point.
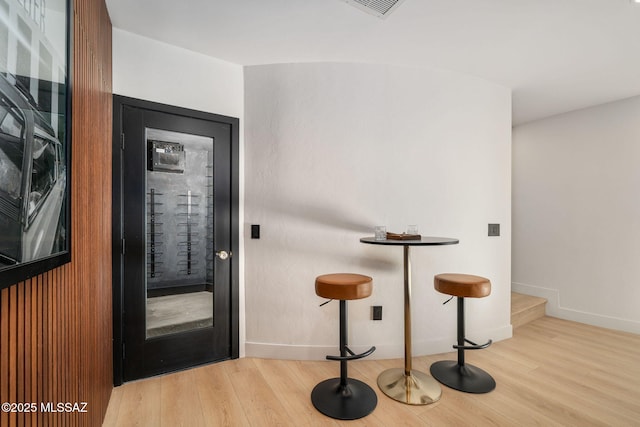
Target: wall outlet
<point x="494" y="229"/>
<point x="376" y="312"/>
<point x="255" y="231"/>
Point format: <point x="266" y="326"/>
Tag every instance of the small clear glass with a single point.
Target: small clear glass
<point x="380" y="232"/>
<point x="412" y="229"/>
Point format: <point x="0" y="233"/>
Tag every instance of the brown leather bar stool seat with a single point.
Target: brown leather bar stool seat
<point x="344" y="286"/>
<point x="458" y="374"/>
<point x="344" y="398"/>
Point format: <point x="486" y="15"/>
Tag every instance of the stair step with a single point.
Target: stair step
<point x="526" y="308"/>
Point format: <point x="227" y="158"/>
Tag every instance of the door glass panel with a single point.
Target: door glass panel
<point x="179" y="232"/>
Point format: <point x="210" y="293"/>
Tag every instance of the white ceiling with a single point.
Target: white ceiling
<point x="556" y="55"/>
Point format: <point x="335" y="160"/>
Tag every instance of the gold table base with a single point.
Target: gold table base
<point x="415" y="389"/>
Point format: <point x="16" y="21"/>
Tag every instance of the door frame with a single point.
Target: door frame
<point x="118" y="219"/>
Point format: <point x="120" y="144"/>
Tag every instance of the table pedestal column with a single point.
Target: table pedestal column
<point x="407" y="385"/>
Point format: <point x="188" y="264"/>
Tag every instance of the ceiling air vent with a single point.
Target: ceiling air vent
<point x="379" y="8"/>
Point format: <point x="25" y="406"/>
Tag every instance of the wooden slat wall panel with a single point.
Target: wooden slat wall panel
<point x="56" y="328"/>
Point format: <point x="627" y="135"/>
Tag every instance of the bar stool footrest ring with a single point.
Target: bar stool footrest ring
<point x="353" y="356"/>
<point x="473" y="345"/>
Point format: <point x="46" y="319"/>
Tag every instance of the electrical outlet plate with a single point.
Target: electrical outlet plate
<point x="494" y="229"/>
<point x="376" y="312"/>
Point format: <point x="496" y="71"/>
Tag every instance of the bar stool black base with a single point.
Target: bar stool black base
<point x="467" y="378"/>
<point x="350" y="402"/>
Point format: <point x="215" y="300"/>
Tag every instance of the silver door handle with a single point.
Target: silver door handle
<point x="223" y="254"/>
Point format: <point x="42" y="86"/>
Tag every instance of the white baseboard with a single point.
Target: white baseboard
<point x="555" y="309"/>
<point x="383" y="351"/>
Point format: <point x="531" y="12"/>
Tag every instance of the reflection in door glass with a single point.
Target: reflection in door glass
<point x="179" y="232"/>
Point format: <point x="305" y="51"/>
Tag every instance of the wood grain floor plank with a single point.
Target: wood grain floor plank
<point x="115" y="403"/>
<point x="261" y="405"/>
<point x="548" y="374"/>
<point x="180" y="403"/>
<point x="218" y="399"/>
<point x="140" y="404"/>
<point x="290" y="391"/>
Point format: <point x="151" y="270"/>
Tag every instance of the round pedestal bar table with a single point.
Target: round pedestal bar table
<point x="407" y="385"/>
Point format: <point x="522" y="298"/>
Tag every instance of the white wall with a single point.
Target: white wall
<point x="333" y="150"/>
<point x="147" y="69"/>
<point x="576" y="214"/>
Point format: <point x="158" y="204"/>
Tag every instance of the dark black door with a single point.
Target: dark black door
<point x="178" y="226"/>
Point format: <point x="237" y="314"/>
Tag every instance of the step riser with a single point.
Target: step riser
<point x="525" y="309"/>
<point x="527" y="316"/>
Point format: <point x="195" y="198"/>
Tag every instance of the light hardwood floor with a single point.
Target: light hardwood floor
<point x="551" y="373"/>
